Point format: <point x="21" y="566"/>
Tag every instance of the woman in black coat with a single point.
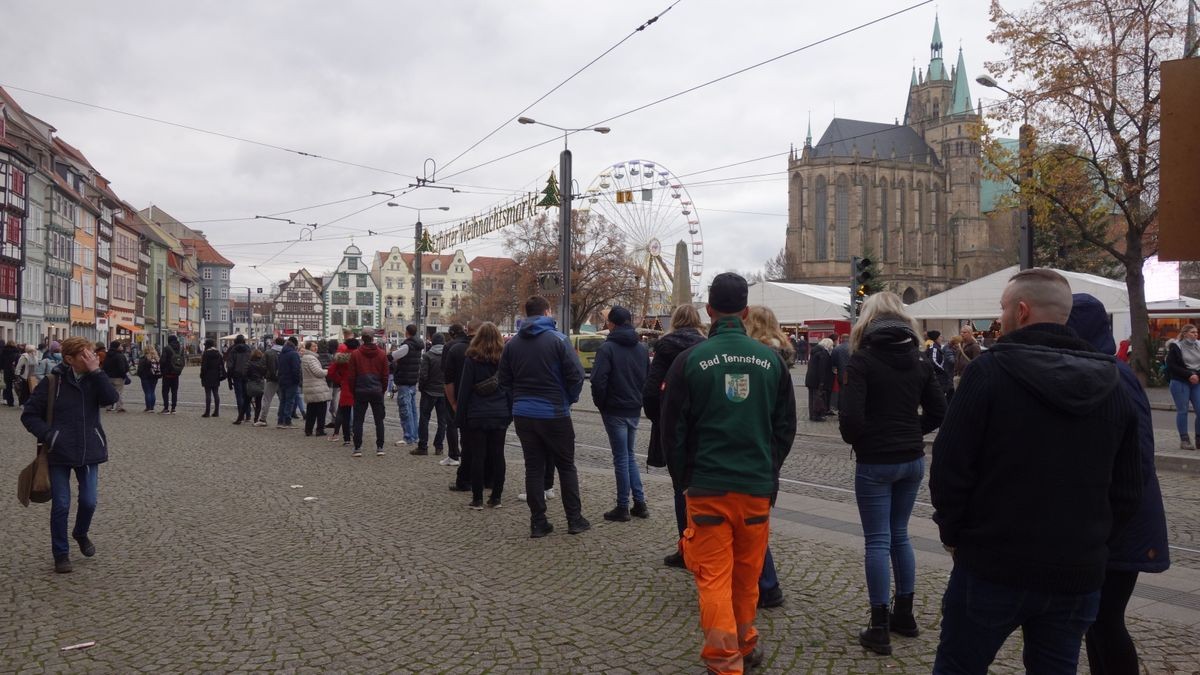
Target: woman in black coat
<point x="212" y="371"/>
<point x="1141" y="546"/>
<point x="484" y="413"/>
<point x="686" y="332"/>
<point x="819" y="380"/>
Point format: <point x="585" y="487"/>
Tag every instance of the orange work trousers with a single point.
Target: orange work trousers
<point x="723" y="545"/>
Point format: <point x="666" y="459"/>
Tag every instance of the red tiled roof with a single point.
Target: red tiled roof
<point x="206" y="254"/>
<point x="426" y="261"/>
<point x="489" y="265"/>
<point x="73" y="151"/>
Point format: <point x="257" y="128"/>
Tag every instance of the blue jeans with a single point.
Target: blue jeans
<point x="885" y="494"/>
<point x="287" y="403"/>
<point x="149" y="389"/>
<point x="978" y="616"/>
<point x="406" y="400"/>
<point x="1183" y="393"/>
<point x="622" y="433"/>
<point x="60" y="507"/>
<point x="767" y="580"/>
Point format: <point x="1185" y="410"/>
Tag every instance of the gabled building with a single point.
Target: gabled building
<point x="15" y="168"/>
<point x="72" y="176"/>
<point x="298" y="306"/>
<point x="214" y="271"/>
<point x="446" y="279"/>
<point x="351" y="295"/>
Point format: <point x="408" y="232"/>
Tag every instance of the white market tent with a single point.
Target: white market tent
<point x="979" y="301"/>
<point x="797" y="303"/>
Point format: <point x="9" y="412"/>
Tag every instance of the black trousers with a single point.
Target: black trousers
<point x="360" y="412"/>
<point x="1110" y="650"/>
<point x="452" y="434"/>
<point x="256" y="403"/>
<point x="314" y="416"/>
<point x="170" y="392"/>
<point x="212" y="396"/>
<point x="341" y="421"/>
<point x="486" y="451"/>
<point x="429" y="404"/>
<point x="10" y="380"/>
<point x="549" y="442"/>
<point x="817" y="408"/>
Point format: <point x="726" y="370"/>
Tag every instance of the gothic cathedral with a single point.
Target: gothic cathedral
<point x="910" y="196"/>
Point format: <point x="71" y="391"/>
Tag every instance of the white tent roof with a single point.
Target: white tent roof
<point x="797" y="303"/>
<point x="981" y="298"/>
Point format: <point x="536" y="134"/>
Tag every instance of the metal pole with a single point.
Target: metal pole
<point x="564" y="224"/>
<point x="1025" y="243"/>
<point x="158" y="310"/>
<point x="249" y="315"/>
<point x="419" y="298"/>
<point x="854" y="289"/>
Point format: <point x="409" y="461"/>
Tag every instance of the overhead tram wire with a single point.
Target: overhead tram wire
<point x="713" y="81"/>
<point x="209" y="132"/>
<point x="646" y="24"/>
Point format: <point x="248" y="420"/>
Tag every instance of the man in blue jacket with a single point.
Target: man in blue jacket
<point x="545" y="377"/>
<point x="618" y="376"/>
<point x="75" y="441"/>
<point x="289" y="384"/>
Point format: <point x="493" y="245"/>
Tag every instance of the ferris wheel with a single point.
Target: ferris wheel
<point x="652" y="209"/>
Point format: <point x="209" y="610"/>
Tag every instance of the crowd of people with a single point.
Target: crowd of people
<point x="1042" y="474"/>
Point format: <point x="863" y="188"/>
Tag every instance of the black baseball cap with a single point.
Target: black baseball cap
<point x="619" y="316"/>
<point x="728" y="293"/>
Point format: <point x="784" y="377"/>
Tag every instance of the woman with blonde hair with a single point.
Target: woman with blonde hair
<point x="762" y="325"/>
<point x="891" y="400"/>
<point x="148" y="371"/>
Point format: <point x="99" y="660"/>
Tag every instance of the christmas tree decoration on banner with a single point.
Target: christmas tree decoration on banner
<point x="550" y="194"/>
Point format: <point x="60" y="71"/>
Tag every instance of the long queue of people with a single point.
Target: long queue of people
<point x="1042" y="475"/>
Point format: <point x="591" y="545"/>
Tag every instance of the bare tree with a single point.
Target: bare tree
<point x="775" y="269"/>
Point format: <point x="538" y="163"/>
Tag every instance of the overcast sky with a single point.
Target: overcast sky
<point x="389" y="84"/>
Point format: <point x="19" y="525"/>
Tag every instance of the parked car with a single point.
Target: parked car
<point x="586" y="345"/>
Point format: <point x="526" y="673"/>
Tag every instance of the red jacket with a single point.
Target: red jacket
<point x="368" y="372"/>
<point x="339" y="372"/>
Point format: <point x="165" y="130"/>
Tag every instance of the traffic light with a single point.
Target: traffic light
<point x="862" y="276"/>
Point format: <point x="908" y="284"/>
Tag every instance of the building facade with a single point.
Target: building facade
<point x="298" y="305"/>
<point x="351" y="295"/>
<point x="906" y="195"/>
<point x="15" y="168"/>
<point x="446" y="278"/>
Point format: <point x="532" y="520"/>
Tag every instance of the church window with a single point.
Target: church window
<point x="863" y="216"/>
<point x="797" y="197"/>
<point x="841" y="218"/>
<point x="923" y="206"/>
<point x="820" y="222"/>
<point x="884" y="252"/>
<point x="935" y="108"/>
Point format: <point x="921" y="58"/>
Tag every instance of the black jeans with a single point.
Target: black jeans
<point x="486" y="451"/>
<point x="342" y="421"/>
<point x="1110" y="650"/>
<point x="428" y="405"/>
<point x="9" y="383"/>
<point x="170" y="390"/>
<point x="212" y="396"/>
<point x="452" y="434"/>
<point x="360" y="413"/>
<point x="549" y="442"/>
<point x="256" y="403"/>
<point x="314" y="416"/>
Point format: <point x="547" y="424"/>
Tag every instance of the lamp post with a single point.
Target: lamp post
<point x="1024" y="153"/>
<point x="564" y="217"/>
<point x="419" y="299"/>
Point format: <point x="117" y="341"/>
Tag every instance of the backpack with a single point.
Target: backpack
<point x="155" y="368"/>
<point x="177" y="360"/>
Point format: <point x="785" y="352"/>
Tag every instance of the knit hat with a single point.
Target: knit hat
<point x="728" y="293"/>
<point x="619" y="316"/>
<point x="55" y="348"/>
<point x="934" y="334"/>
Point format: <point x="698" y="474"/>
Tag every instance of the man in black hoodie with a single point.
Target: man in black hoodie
<point x="116" y="367"/>
<point x="237" y="362"/>
<point x="618" y="376"/>
<point x="1034" y="469"/>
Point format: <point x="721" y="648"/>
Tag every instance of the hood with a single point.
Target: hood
<point x="683" y="338"/>
<point x="1089" y="320"/>
<point x="893" y="342"/>
<point x="437" y="349"/>
<point x="289" y="347"/>
<point x="1057" y="368"/>
<point x="276" y="348"/>
<point x="537" y="326"/>
<point x="370" y="349"/>
<point x="240" y="348"/>
<point x="625" y="336"/>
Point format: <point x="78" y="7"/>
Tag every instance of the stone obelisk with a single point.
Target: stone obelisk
<point x="681" y="285"/>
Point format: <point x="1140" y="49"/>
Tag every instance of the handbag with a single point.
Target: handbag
<point x="488" y="386"/>
<point x="33" y="484"/>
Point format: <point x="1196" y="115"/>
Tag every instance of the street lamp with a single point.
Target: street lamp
<point x="419" y="300"/>
<point x="1025" y="148"/>
<point x="564" y="216"/>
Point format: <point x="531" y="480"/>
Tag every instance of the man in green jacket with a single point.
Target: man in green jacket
<point x="728" y="421"/>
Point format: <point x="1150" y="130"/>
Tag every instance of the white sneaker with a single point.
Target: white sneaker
<point x="550" y="493"/>
<point x="446" y="461"/>
<point x="522" y="496"/>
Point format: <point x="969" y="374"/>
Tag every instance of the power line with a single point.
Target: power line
<point x="558" y="86"/>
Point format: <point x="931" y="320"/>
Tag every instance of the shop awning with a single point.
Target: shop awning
<point x="129" y="328"/>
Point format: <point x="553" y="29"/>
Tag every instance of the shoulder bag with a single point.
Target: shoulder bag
<point x="33" y="485"/>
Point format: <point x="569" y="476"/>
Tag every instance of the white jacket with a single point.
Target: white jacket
<point x="313" y="386"/>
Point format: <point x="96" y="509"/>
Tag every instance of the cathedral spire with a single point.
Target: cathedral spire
<point x="913" y="84"/>
<point x="808" y="136"/>
<point x="960" y="101"/>
<point x="935" y="45"/>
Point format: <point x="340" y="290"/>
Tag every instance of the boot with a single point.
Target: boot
<point x="875" y="637"/>
<point x="901" y="620"/>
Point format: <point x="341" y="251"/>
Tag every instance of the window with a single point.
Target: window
<point x="884" y="221"/>
<point x="18" y="182"/>
<point x="340" y="297"/>
<point x="364" y="299"/>
<point x="224" y="275"/>
<point x="207" y="314"/>
<point x="437" y="265"/>
<point x="207" y="293"/>
<point x="12" y="233"/>
<point x="841" y="218"/>
<point x="343" y="280"/>
<point x="8" y="281"/>
<point x="362" y="281"/>
<point x="206" y="273"/>
<point x="352" y="317"/>
<point x="368" y="318"/>
<point x="335" y="317"/>
<point x="454" y="285"/>
<point x="820" y="224"/>
<point x="388" y="283"/>
<point x="76" y="293"/>
<point x="352" y="263"/>
<point x="224" y="293"/>
<point x="224" y="315"/>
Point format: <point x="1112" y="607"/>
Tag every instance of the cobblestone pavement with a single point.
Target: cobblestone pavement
<point x="209" y="560"/>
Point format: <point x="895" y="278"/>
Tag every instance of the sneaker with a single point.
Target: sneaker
<point x="550" y="493"/>
<point x="639" y="510"/>
<point x="618" y="515"/>
<point x="86" y="547"/>
<point x="476" y="505"/>
<point x="1185" y="443"/>
<point x="401" y="443"/>
<point x="416" y="451"/>
<point x="675" y="560"/>
<point x="172" y="411"/>
<point x="379" y="452"/>
<point x="62" y="564"/>
<point x="494" y="503"/>
<point x="260" y="423"/>
<point x="771" y="598"/>
<point x="538" y="530"/>
<point x="356" y="453"/>
<point x="345" y="444"/>
<point x="522" y="496"/>
<point x="447" y="461"/>
<point x="206" y="415"/>
<point x="578" y="526"/>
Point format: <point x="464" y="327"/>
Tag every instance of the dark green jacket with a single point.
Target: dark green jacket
<point x="728" y="413"/>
